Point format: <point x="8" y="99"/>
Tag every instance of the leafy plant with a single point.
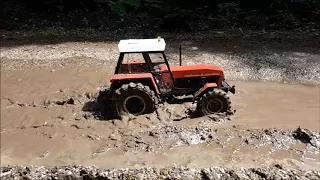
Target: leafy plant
<point x="120" y="7"/>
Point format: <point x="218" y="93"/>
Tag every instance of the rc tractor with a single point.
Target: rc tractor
<point x="138" y="86"/>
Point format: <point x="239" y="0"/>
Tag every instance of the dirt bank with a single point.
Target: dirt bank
<point x="50" y="116"/>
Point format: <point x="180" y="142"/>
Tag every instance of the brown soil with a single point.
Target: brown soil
<point x="38" y="128"/>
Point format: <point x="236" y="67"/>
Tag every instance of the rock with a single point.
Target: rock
<point x="69" y="173"/>
<point x="302" y="135"/>
<point x="146" y="173"/>
<point x="4" y="174"/>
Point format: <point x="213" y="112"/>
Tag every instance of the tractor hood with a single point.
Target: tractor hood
<point x="194" y="71"/>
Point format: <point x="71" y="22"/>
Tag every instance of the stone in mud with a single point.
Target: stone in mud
<point x="308" y="137"/>
<point x="302" y="135"/>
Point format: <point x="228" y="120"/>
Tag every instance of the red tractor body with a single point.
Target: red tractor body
<point x="137" y="86"/>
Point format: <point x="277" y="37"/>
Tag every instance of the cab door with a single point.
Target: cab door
<point x="161" y="74"/>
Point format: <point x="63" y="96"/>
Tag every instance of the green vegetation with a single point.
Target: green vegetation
<point x="180" y="14"/>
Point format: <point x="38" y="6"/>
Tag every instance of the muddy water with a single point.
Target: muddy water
<point x="61" y="135"/>
<point x="37" y="84"/>
<point x="267" y="104"/>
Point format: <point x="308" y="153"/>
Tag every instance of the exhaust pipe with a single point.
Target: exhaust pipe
<point x="180" y="61"/>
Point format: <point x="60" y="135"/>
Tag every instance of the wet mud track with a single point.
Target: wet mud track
<point x="51" y="117"/>
<point x="54" y="130"/>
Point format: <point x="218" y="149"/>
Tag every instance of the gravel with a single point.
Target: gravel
<point x="80" y="172"/>
<point x="291" y="57"/>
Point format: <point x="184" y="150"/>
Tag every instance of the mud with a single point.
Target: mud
<point x="51" y="116"/>
<point x="70" y="127"/>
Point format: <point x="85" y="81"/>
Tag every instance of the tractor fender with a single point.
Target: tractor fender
<point x="207" y="87"/>
<point x="144" y="78"/>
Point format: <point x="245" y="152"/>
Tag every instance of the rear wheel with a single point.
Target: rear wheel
<point x="134" y="99"/>
<point x="215" y="101"/>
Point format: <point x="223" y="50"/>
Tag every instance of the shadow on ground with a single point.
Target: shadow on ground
<point x="100" y="107"/>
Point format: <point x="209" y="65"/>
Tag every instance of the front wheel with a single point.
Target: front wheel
<point x="215" y="101"/>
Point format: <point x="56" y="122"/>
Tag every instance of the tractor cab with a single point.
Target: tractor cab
<point x="145" y="56"/>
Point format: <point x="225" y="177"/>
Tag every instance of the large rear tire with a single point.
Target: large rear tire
<point x="135" y="99"/>
<point x="215" y="101"/>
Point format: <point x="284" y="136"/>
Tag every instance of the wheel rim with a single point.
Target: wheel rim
<point x="134" y="105"/>
<point x="215" y="106"/>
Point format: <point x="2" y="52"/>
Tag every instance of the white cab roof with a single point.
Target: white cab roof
<point x="141" y="45"/>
